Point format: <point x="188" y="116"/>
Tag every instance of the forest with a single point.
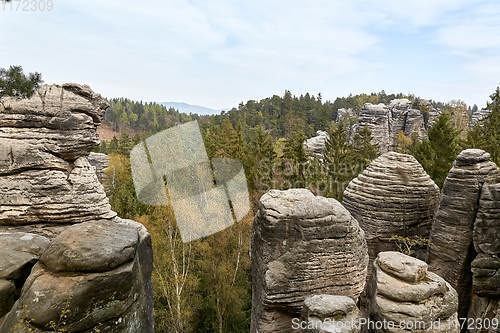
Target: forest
<point x="205" y="285"/>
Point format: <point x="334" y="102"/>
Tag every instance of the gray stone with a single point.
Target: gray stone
<point x="15" y="265"/>
<point x="427" y="301"/>
<point x="23" y="242"/>
<point x="301" y="245"/>
<point x="386" y="121"/>
<point x="329" y="313"/>
<point x="316" y="145"/>
<point x="8" y="295"/>
<point x="93" y="246"/>
<point x="100" y="162"/>
<point x="393" y="196"/>
<point x="93" y="276"/>
<point x="451" y="249"/>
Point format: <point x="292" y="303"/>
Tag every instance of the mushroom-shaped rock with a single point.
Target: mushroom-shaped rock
<point x="301" y="245"/>
<point x="393" y="196"/>
<point x="330" y="313"/>
<point x="402" y="293"/>
<point x="451" y="244"/>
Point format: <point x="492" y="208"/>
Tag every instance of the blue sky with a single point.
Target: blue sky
<point x="219" y="53"/>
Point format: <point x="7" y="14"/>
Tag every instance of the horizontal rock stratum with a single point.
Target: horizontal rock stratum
<point x="393" y="196"/>
<point x="302" y="245"/>
<point x="63" y="251"/>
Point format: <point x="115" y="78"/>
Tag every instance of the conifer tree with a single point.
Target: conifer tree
<point x="486" y="134"/>
<point x="437" y="152"/>
<point x="13" y="82"/>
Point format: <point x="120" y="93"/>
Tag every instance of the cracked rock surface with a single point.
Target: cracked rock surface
<point x="451" y="248"/>
<point x="302" y="245"/>
<point x="393" y="196"/>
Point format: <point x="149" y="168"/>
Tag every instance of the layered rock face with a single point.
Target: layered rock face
<point x="302" y="245"/>
<point x="386" y="121"/>
<point x="44" y="172"/>
<point x="393" y="196"/>
<point x="451" y="250"/>
<point x="486" y="266"/>
<point x="100" y="162"/>
<point x="67" y="262"/>
<point x="316" y="145"/>
<point x="330" y="314"/>
<point x="477" y="116"/>
<point x="403" y="292"/>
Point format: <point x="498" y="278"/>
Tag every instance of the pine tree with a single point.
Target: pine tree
<point x="437" y="152"/>
<point x="13" y="82"/>
<point x="364" y="151"/>
<point x="486" y="134"/>
<point x="339" y="158"/>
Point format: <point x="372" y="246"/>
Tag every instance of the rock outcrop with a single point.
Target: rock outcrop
<point x="45" y="175"/>
<point x="302" y="245"/>
<point x="100" y="162"/>
<point x="66" y="260"/>
<point x="316" y="145"/>
<point x="486" y="266"/>
<point x="403" y="292"/>
<point x="451" y="249"/>
<point x="386" y="121"/>
<point x="330" y="314"/>
<point x="393" y="196"/>
<point x="477" y="116"/>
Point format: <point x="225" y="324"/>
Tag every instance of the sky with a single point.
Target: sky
<point x="220" y="53"/>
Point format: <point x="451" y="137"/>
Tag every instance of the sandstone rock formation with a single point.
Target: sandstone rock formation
<point x="63" y="251"/>
<point x="302" y="245"/>
<point x="329" y="313"/>
<point x="486" y="266"/>
<point x="393" y="196"/>
<point x="386" y="121"/>
<point x="44" y="172"/>
<point x="100" y="162"/>
<point x="342" y="113"/>
<point x="403" y="292"/>
<point x="477" y="116"/>
<point x="316" y="145"/>
<point x="451" y="250"/>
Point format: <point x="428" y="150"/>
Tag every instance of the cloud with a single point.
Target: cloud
<point x="218" y="53"/>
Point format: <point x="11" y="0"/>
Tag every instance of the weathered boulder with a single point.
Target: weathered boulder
<point x="393" y="196"/>
<point x="98" y="295"/>
<point x="316" y="145"/>
<point x="19" y="251"/>
<point x="402" y="293"/>
<point x="451" y="250"/>
<point x="329" y="313"/>
<point x="100" y="162"/>
<point x="301" y="245"/>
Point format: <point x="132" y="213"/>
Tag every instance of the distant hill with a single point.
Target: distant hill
<point x="189" y="108"/>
